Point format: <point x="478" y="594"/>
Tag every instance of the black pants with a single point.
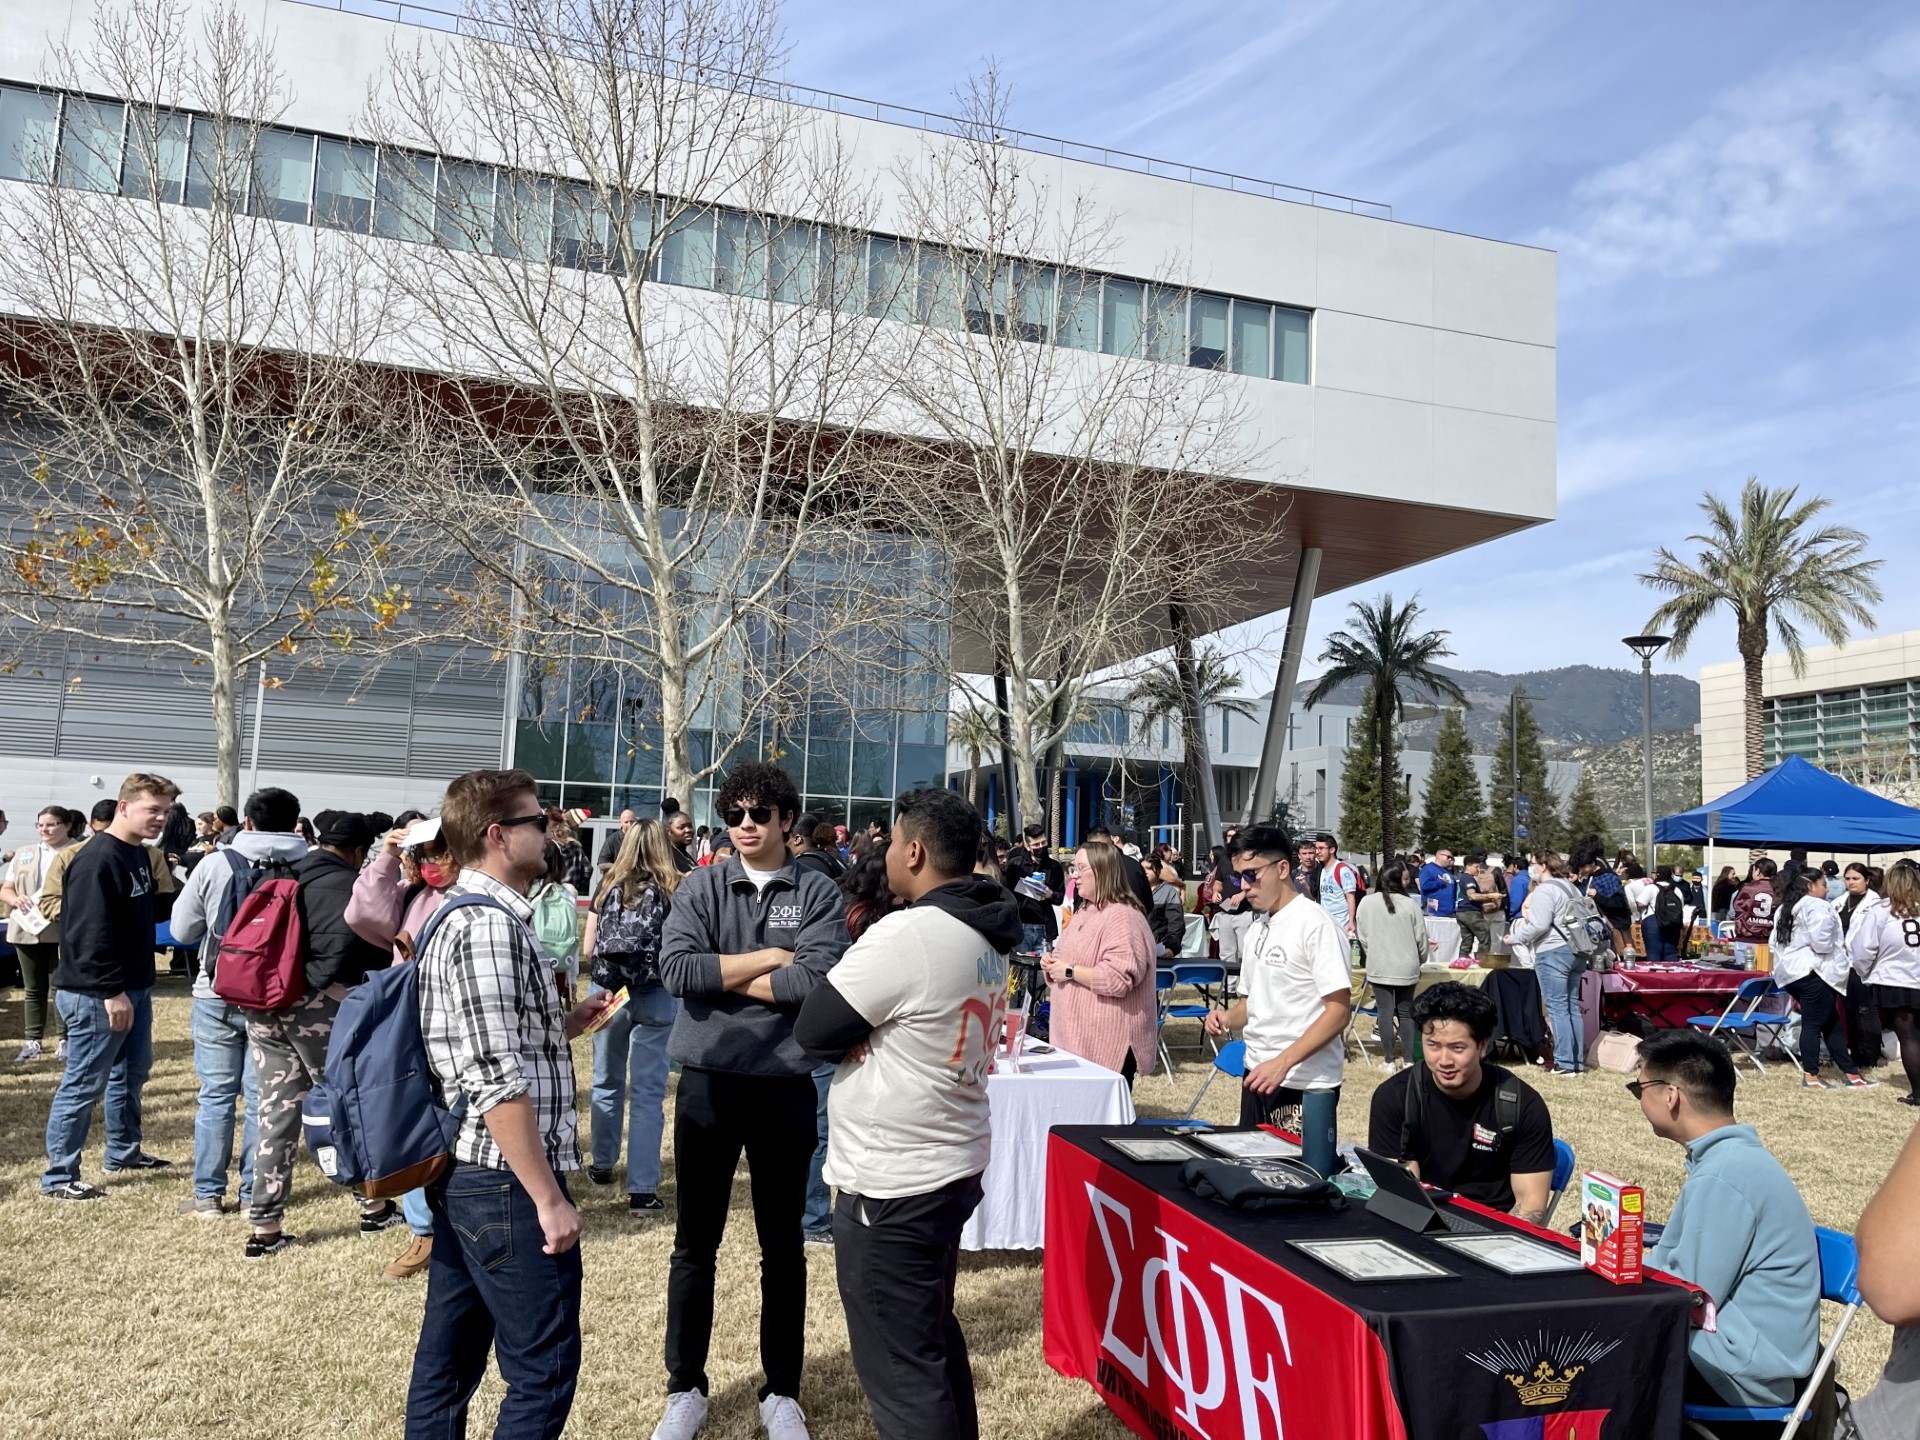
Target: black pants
<point x="896" y="1261"/>
<point x="1819" y="1018"/>
<point x="1262" y="1109"/>
<point x="1863" y="1022"/>
<point x="717" y="1115"/>
<point x="1393" y="1016"/>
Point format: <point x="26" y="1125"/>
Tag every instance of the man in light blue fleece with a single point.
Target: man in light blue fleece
<point x="1740" y="1231"/>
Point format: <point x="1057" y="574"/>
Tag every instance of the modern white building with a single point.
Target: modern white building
<point x="1398" y="390"/>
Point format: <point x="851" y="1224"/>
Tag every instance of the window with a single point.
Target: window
<point x="27" y="120"/>
<point x="582" y="229"/>
<point x="740" y="254"/>
<point x="1226" y="731"/>
<point x="1101" y="722"/>
<point x="403" y="196"/>
<point x="936" y="298"/>
<point x="343" y="186"/>
<point x="155" y="164"/>
<point x="282" y="175"/>
<point x="1252" y="338"/>
<point x="1208" y="347"/>
<point x="523" y="218"/>
<point x="793" y="251"/>
<point x="1290" y="345"/>
<point x="1167" y="325"/>
<point x="216" y="164"/>
<point x="892" y="283"/>
<point x="1078" y="313"/>
<point x="90" y="145"/>
<point x="686" y="250"/>
<point x="463" y="209"/>
<point x="843" y="271"/>
<point x="1122" y="303"/>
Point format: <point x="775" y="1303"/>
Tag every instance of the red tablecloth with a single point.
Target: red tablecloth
<point x="1189" y="1319"/>
<point x="1668" y="998"/>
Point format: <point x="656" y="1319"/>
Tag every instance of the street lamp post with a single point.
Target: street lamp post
<point x="1646" y="647"/>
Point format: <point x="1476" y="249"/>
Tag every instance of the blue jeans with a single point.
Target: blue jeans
<point x="491" y="1284"/>
<point x="630" y="1065"/>
<point x="101" y="1063"/>
<point x="819" y="1212"/>
<point x="220" y="1060"/>
<point x="1657" y="945"/>
<point x="414" y="1206"/>
<point x="1559" y="971"/>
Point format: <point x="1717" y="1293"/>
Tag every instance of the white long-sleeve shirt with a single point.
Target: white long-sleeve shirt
<point x="1885" y="947"/>
<point x="1817" y="947"/>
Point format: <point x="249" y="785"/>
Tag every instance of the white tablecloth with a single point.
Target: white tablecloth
<point x="1048" y="1090"/>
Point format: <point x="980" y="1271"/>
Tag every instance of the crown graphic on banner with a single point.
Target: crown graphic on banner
<point x="1546" y="1385"/>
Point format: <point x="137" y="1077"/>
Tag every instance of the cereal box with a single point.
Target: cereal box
<point x="1611" y="1212"/>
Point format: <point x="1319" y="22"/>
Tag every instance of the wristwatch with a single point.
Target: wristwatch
<point x="1068" y="972"/>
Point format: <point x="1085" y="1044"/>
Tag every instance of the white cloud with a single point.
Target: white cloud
<point x="1787" y="159"/>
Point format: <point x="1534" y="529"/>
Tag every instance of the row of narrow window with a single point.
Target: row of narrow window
<point x="305" y="178"/>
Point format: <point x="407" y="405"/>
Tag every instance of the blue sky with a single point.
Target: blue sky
<point x="1733" y="190"/>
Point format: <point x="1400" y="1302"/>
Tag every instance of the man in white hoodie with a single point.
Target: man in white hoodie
<point x="213" y="892"/>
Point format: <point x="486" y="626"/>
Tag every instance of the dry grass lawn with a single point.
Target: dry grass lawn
<point x="125" y="1319"/>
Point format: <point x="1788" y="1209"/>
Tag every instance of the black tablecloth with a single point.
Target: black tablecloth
<point x="1614" y="1355"/>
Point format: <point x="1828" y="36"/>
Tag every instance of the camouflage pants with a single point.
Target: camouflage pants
<point x="289" y="1050"/>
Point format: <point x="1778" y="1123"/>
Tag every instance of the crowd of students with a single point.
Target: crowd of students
<point x="833" y="1014"/>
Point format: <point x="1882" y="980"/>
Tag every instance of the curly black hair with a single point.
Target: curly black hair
<point x="1450" y="1000"/>
<point x="758" y="782"/>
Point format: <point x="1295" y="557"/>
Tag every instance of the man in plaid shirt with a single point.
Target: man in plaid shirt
<point x="496" y="1037"/>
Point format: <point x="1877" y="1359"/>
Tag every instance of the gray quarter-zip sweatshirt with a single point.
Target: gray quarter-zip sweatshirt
<point x="718" y="911"/>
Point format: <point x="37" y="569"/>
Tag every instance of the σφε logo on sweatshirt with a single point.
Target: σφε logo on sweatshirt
<point x="784" y="915"/>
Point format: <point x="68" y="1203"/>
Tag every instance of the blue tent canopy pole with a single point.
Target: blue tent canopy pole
<point x="1796" y="805"/>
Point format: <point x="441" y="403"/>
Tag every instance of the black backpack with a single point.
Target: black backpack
<point x="1668" y="907"/>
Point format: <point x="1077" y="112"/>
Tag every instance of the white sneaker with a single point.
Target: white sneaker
<point x="686" y="1414"/>
<point x="28" y="1051"/>
<point x="782" y="1416"/>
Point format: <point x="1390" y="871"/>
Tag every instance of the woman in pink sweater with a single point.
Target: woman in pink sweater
<point x="406" y="883"/>
<point x="1105" y="1008"/>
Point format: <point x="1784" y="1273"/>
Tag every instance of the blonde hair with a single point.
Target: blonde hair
<point x="1903" y="889"/>
<point x="645" y="858"/>
<point x="1110" y="885"/>
<point x="138" y="784"/>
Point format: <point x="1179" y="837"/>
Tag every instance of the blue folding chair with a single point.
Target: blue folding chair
<point x="1750" y="1028"/>
<point x="1163" y="991"/>
<point x="1365" y="1004"/>
<point x="1839" y="1283"/>
<point x="1563" y="1168"/>
<point x="1231" y="1060"/>
<point x="1203" y="978"/>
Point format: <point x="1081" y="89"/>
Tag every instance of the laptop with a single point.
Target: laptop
<point x="1399" y="1196"/>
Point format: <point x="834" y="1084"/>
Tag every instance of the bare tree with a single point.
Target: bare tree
<point x="183" y="477"/>
<point x="1064" y="483"/>
<point x="645" y="294"/>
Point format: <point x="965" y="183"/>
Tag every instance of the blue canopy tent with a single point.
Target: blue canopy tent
<point x="1796" y="805"/>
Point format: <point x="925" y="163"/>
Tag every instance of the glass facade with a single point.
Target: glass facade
<point x="862" y="717"/>
<point x="302" y="177"/>
<point x="1875" y="723"/>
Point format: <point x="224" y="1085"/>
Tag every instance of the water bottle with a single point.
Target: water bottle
<point x="1319" y="1123"/>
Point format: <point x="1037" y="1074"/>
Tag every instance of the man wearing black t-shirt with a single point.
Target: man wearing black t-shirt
<point x="1460" y="1123"/>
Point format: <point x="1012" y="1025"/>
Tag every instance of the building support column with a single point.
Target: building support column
<point x="1198" y="756"/>
<point x="1266" y="780"/>
<point x="1010" y="798"/>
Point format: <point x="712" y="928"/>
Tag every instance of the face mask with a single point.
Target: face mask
<point x="434" y="874"/>
<point x="1536" y="872"/>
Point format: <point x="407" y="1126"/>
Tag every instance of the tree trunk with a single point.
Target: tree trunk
<point x="1752" y="644"/>
<point x="676" y="769"/>
<point x="226" y="718"/>
<point x="1002" y="704"/>
<point x="973" y="778"/>
<point x="1389" y="801"/>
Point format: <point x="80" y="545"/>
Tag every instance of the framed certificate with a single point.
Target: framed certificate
<point x="1371" y="1261"/>
<point x="1152" y="1149"/>
<point x="1512" y="1253"/>
<point x="1249" y="1145"/>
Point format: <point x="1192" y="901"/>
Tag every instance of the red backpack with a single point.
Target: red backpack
<point x="262" y="964"/>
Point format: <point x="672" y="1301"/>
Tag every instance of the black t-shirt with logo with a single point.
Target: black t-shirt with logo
<point x="1457" y="1143"/>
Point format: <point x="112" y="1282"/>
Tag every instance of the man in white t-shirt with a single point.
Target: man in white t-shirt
<point x="911" y="1015"/>
<point x="1296" y="985"/>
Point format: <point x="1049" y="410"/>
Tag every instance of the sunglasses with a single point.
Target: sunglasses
<point x="1634" y="1087"/>
<point x="1253" y="873"/>
<point x="539" y="817"/>
<point x="739" y="814"/>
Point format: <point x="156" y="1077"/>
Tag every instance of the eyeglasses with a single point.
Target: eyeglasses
<point x="1247" y="877"/>
<point x="539" y="817"/>
<point x="1634" y="1087"/>
<point x="738" y="814"/>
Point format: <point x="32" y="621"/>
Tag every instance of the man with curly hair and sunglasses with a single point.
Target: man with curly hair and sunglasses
<point x="747" y="940"/>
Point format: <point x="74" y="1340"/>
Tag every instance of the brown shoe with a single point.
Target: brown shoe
<point x="410" y="1261"/>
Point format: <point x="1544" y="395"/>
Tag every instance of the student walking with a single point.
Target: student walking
<point x="746" y="942"/>
<point x="105" y="984"/>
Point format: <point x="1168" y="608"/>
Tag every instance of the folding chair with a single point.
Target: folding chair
<point x="1839" y="1277"/>
<point x="1202" y="978"/>
<point x="1745" y="1028"/>
<point x="1163" y="993"/>
<point x="1231" y="1060"/>
<point x="1365" y="1004"/>
<point x="1563" y="1168"/>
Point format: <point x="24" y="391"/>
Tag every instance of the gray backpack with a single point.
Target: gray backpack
<point x="1580" y="922"/>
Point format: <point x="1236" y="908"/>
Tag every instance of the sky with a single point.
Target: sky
<point x="1733" y="191"/>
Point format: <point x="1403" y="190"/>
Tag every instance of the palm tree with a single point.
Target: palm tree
<point x="1159" y="695"/>
<point x="1393" y="656"/>
<point x="976" y="730"/>
<point x="1765" y="564"/>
